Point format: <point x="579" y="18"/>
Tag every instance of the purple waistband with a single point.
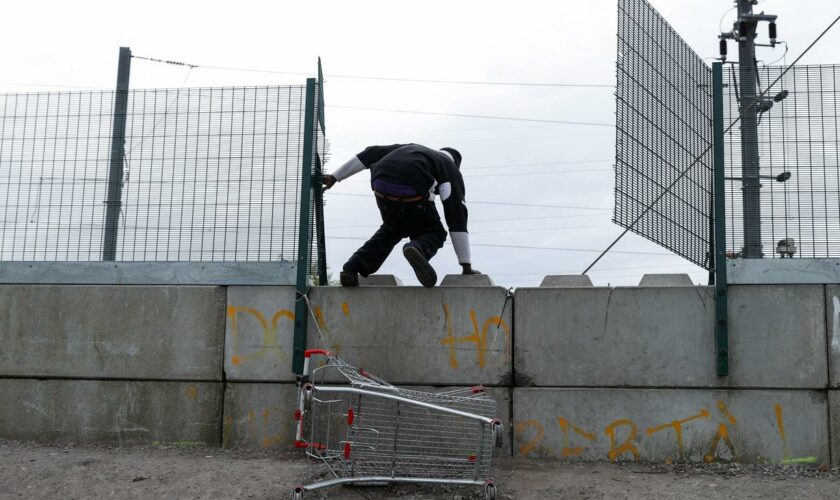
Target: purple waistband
<point x="392" y="188"/>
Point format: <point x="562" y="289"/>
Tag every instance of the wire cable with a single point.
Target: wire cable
<point x="709" y="147"/>
<point x="574" y="162"/>
<point x="382" y="78"/>
<point x="464" y="115"/>
<point x="525" y="247"/>
<point x="498" y="203"/>
<point x="549" y="172"/>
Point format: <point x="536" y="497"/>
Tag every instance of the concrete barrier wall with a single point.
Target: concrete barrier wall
<point x="832" y="321"/>
<point x="405" y="335"/>
<point x="106" y="411"/>
<point x="121" y="332"/>
<point x="664" y="337"/>
<point x="583" y="368"/>
<point x="259" y="333"/>
<point x="834" y="425"/>
<point x="670" y="425"/>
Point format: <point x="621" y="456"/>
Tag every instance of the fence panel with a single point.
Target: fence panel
<point x="210" y="174"/>
<point x="797" y="135"/>
<point x="663" y="130"/>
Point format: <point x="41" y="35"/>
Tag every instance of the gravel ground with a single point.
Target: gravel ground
<point x="30" y="470"/>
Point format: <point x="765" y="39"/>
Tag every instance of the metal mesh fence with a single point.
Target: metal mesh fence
<point x="663" y="128"/>
<point x="317" y="246"/>
<point x="797" y="135"/>
<point x="210" y="174"/>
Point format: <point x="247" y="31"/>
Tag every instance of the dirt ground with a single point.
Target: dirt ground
<point x="30" y="470"/>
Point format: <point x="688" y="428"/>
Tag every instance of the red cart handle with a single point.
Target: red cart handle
<point x="309" y="352"/>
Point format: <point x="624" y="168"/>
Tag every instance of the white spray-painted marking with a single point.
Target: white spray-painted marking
<point x="835" y="331"/>
<point x="35" y="407"/>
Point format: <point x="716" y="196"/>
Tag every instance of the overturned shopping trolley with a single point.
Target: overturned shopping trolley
<point x="366" y="430"/>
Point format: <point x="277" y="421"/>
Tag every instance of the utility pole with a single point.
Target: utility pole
<point x="749" y="131"/>
<point x="113" y="201"/>
<point x="744" y="31"/>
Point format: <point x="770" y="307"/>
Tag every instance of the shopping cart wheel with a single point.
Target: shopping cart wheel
<point x="298" y="494"/>
<point x="490" y="491"/>
<point x="308" y="390"/>
<point x="498" y="433"/>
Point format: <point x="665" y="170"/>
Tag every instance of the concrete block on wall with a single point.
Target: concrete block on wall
<point x="260" y="415"/>
<point x="664" y="336"/>
<point x="380" y="280"/>
<point x="115" y="412"/>
<point x="670" y="425"/>
<point x="406" y="335"/>
<point x="832" y="321"/>
<point x="680" y="279"/>
<point x="259" y="333"/>
<point x="418" y="336"/>
<point x="566" y="281"/>
<point x="777" y="336"/>
<point x="834" y="425"/>
<point x="467" y="280"/>
<point x="157" y="332"/>
<point x="614" y="336"/>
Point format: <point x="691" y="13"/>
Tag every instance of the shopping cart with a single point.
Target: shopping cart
<point x="367" y="431"/>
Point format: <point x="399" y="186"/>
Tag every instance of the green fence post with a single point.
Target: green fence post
<point x="113" y="201"/>
<point x="302" y="282"/>
<point x="719" y="258"/>
<point x="319" y="188"/>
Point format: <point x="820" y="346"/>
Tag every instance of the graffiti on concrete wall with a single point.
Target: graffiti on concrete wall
<point x="622" y="438"/>
<point x="476" y="338"/>
<point x="244" y="349"/>
<point x="267" y="427"/>
<point x="482" y="337"/>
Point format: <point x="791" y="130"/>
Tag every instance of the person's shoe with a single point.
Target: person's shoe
<point x="424" y="271"/>
<point x="348" y="278"/>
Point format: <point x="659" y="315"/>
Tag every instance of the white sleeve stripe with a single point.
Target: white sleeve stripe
<point x="461" y="243"/>
<point x="445" y="191"/>
<point x="352" y="166"/>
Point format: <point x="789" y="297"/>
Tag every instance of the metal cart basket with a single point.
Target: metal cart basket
<point x="367" y="431"/>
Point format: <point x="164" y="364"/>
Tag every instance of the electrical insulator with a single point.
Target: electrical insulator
<point x="773" y="34"/>
<point x="723" y="49"/>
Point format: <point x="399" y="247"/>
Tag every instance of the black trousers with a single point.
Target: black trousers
<point x="416" y="220"/>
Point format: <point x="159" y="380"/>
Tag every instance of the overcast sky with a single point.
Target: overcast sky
<point x="521" y="176"/>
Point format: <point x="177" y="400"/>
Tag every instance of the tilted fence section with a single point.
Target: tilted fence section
<point x="798" y="150"/>
<point x="663" y="131"/>
<point x="209" y="174"/>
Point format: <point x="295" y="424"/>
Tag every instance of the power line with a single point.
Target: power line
<point x="494" y="231"/>
<point x="569" y="271"/>
<point x="709" y="147"/>
<point x="556" y="228"/>
<point x="383" y="78"/>
<point x="496" y="203"/>
<point x="519" y="165"/>
<point x="550" y="172"/>
<point x="476" y="82"/>
<point x="546" y="164"/>
<point x="464" y="115"/>
<point x="53" y="85"/>
<point x="476" y="221"/>
<point x="524" y="247"/>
